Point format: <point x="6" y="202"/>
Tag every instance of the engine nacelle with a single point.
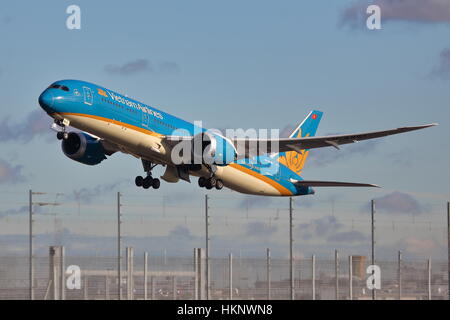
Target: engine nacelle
<point x="84" y="148"/>
<point x="212" y="148"/>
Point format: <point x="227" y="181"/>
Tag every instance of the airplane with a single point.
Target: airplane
<point x="110" y="122"/>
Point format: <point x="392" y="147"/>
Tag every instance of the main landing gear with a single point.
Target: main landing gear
<point x="148" y="181"/>
<point x="210" y="183"/>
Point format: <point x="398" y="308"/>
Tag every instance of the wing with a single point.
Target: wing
<point x="110" y="148"/>
<point x="313" y="183"/>
<point x="254" y="147"/>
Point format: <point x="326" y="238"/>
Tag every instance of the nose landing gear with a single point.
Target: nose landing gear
<point x="60" y="135"/>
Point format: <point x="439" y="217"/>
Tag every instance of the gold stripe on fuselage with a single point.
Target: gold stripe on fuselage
<point x="225" y="173"/>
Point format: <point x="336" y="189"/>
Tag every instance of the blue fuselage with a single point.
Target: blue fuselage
<point x="73" y="97"/>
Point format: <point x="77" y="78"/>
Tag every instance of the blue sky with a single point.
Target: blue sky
<point x="236" y="64"/>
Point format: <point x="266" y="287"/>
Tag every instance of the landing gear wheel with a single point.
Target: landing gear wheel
<point x="148" y="182"/>
<point x="219" y="184"/>
<point x="62" y="135"/>
<point x="210" y="183"/>
<point x="201" y="182"/>
<point x="139" y="181"/>
<point x="145" y="186"/>
<point x="156" y="183"/>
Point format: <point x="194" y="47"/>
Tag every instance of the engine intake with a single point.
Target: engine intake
<point x="84" y="148"/>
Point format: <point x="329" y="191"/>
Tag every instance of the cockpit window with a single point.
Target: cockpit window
<point x="58" y="86"/>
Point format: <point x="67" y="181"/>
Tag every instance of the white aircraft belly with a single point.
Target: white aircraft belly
<point x="245" y="183"/>
<point x="144" y="145"/>
<point x="135" y="142"/>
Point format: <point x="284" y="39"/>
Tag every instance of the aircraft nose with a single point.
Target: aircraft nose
<point x="46" y="100"/>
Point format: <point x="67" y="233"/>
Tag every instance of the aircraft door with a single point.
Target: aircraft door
<point x="88" y="98"/>
<point x="145" y="119"/>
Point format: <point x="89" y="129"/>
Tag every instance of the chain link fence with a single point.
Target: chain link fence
<point x="87" y="226"/>
<point x="176" y="278"/>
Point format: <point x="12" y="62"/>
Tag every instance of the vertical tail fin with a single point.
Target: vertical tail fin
<point x="307" y="128"/>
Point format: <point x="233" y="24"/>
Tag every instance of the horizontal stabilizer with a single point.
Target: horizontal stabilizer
<point x="312" y="183"/>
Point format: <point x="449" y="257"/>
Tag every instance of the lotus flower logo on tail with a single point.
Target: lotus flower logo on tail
<point x="294" y="160"/>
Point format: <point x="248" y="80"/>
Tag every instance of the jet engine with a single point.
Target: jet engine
<point x="84" y="148"/>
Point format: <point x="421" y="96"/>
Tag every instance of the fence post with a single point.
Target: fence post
<point x="336" y="272"/>
<point x="174" y="288"/>
<point x="313" y="266"/>
<point x="52" y="273"/>
<point x="106" y="287"/>
<point x="86" y="283"/>
<point x="130" y="272"/>
<point x="207" y="248"/>
<point x="195" y="275"/>
<point x="230" y="275"/>
<point x="127" y="266"/>
<point x="56" y="272"/>
<point x="429" y="279"/>
<point x="448" y="248"/>
<point x="47" y="291"/>
<point x="63" y="274"/>
<point x="350" y="277"/>
<point x="119" y="250"/>
<point x="152" y="284"/>
<point x="30" y="234"/>
<point x="201" y="273"/>
<point x="291" y="254"/>
<point x="145" y="275"/>
<point x="268" y="275"/>
<point x="399" y="275"/>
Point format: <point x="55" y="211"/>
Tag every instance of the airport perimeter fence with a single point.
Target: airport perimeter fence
<point x="170" y="278"/>
<point x="168" y="227"/>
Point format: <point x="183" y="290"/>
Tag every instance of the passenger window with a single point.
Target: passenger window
<point x="65" y="88"/>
